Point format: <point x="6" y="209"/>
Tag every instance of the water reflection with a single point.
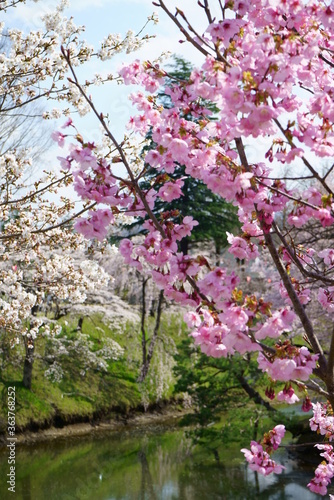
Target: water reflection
<point x="145" y="465"/>
<point x="146" y="485"/>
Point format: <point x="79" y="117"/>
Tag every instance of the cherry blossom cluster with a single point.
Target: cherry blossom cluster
<point x="82" y="348"/>
<point x="115" y="43"/>
<point x="205" y="147"/>
<point x="289" y="363"/>
<point x="258" y="456"/>
<point x="322" y="422"/>
<point x="32" y="65"/>
<point x="324" y="472"/>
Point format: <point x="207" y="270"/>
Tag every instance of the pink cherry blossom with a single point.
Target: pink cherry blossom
<point x="328" y="256"/>
<point x="59" y="138"/>
<point x="326" y="298"/>
<point x="171" y="190"/>
<point x="288" y="396"/>
<point x="96" y="226"/>
<point x="260" y="461"/>
<point x="298" y="364"/>
<point x="324" y="472"/>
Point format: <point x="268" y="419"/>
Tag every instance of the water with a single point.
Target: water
<point x="144" y="464"/>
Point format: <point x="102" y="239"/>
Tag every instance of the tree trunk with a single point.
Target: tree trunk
<point x="217" y="249"/>
<point x="80" y="322"/>
<point x="28" y="362"/>
<point x="146" y="486"/>
<point x="184" y="245"/>
<point x="143" y="317"/>
<point x="216" y="455"/>
<point x="57" y="310"/>
<point x="149" y="353"/>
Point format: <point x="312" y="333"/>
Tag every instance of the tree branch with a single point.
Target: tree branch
<point x="298" y="307"/>
<point x="181" y="28"/>
<point x="305" y="161"/>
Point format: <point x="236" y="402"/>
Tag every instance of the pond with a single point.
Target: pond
<point x="155" y="463"/>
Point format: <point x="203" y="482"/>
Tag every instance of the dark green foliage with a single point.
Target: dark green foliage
<point x="217" y="388"/>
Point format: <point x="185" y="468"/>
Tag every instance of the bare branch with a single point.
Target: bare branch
<point x="305" y="161"/>
<point x="298" y="307"/>
<point x="295" y="259"/>
<point x="181" y="28"/>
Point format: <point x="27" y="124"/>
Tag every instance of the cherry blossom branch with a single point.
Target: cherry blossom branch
<point x="326" y="61"/>
<point x="198" y="36"/>
<point x="50" y="228"/>
<point x="35" y="193"/>
<point x="219" y="55"/>
<point x="289" y="196"/>
<point x="89" y="207"/>
<point x="266" y="348"/>
<point x="313" y="386"/>
<point x="14" y="2"/>
<point x="207" y="10"/>
<point x="134" y="182"/>
<point x="298" y="307"/>
<point x="101" y="119"/>
<point x="242" y="153"/>
<point x="307" y="90"/>
<point x="302" y="178"/>
<point x="329" y="171"/>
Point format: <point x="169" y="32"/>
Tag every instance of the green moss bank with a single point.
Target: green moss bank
<point x="87" y="392"/>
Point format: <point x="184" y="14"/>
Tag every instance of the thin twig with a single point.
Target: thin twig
<point x="305" y="161"/>
<point x="297" y="305"/>
<point x="329" y="171"/>
<point x="289" y="196"/>
<point x="295" y="259"/>
<point x="116" y="144"/>
<point x="182" y="29"/>
<point x="35" y="193"/>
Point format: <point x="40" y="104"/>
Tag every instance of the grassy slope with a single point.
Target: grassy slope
<point x="97" y="394"/>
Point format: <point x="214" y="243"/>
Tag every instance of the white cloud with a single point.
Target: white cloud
<point x="28" y="16"/>
<point x="80" y="5"/>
